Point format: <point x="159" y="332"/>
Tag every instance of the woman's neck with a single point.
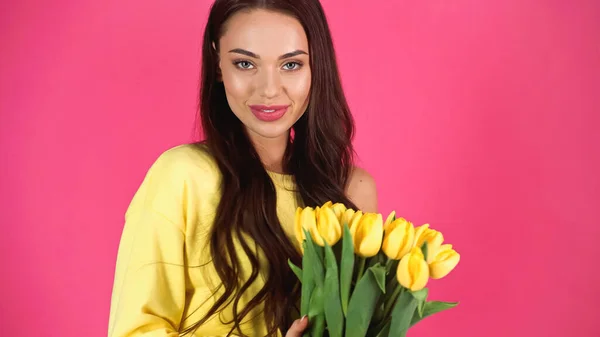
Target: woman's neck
<point x="270" y="150"/>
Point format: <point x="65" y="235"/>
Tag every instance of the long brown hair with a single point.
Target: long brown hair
<point x="320" y="158"/>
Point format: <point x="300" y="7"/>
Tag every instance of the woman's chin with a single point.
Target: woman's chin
<point x="270" y="130"/>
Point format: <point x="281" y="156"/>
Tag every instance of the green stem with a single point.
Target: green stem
<point x="388" y="264"/>
<point x="387" y="308"/>
<point x="361" y="268"/>
<point x="392" y="300"/>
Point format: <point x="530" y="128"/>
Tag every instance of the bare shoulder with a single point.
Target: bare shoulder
<point x="362" y="190"/>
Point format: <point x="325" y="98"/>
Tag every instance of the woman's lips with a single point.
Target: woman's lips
<point x="269" y="113"/>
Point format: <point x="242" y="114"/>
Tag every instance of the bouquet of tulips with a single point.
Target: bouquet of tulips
<point x="362" y="276"/>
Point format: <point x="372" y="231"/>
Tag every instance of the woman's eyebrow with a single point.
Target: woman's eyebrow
<point x="253" y="55"/>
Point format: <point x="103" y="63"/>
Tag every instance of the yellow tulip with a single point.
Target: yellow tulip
<point x="305" y="218"/>
<point x="321" y="223"/>
<point x="398" y="239"/>
<point x="347" y="217"/>
<point x="339" y="209"/>
<point x="328" y="226"/>
<point x="444" y="261"/>
<point x="367" y="232"/>
<point x="413" y="271"/>
<point x="433" y="238"/>
<point x="354" y="221"/>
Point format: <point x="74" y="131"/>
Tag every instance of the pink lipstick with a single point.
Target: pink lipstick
<point x="269" y="113"/>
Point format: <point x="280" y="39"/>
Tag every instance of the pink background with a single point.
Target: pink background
<point x="480" y="117"/>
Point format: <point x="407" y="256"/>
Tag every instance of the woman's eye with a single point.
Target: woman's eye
<point x="292" y="66"/>
<point x="243" y="64"/>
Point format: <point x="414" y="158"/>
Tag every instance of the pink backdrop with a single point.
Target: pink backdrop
<point x="479" y="117"/>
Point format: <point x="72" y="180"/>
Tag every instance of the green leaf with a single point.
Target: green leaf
<point x="316" y="261"/>
<point x="402" y="314"/>
<point x="308" y="282"/>
<point x="346" y="268"/>
<point x="385" y="331"/>
<point x="316" y="314"/>
<point x="378" y="315"/>
<point x="363" y="302"/>
<point x="431" y="308"/>
<point x="421" y="297"/>
<point x="296" y="270"/>
<point x="379" y="273"/>
<point x="333" y="304"/>
<point x="391" y="267"/>
<point x="380" y="258"/>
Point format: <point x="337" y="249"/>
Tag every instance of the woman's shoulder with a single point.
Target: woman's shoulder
<point x="362" y="189"/>
<point x="181" y="172"/>
<point x="182" y="177"/>
<point x="187" y="161"/>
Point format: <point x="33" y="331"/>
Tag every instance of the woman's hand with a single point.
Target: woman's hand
<point x="297" y="327"/>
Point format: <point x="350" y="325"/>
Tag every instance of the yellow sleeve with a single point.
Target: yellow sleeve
<point x="148" y="296"/>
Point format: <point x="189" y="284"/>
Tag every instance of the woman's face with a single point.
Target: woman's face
<point x="265" y="69"/>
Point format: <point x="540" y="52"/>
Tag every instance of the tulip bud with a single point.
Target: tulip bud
<point x="328" y="226"/>
<point x="444" y="261"/>
<point x="339" y="209"/>
<point x="399" y="238"/>
<point x="305" y="218"/>
<point x="367" y="232"/>
<point x="347" y="217"/>
<point x="433" y="238"/>
<point x="413" y="271"/>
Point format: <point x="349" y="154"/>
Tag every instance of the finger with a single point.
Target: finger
<point x="298" y="327"/>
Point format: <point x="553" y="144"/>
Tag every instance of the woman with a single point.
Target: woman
<point x="208" y="235"/>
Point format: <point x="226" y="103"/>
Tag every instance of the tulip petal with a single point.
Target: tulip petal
<point x="398" y="239"/>
<point x="329" y="226"/>
<point x="419" y="232"/>
<point x="421" y="272"/>
<point x="444" y="262"/>
<point x="347" y="217"/>
<point x="298" y="226"/>
<point x="369" y="234"/>
<point x="413" y="271"/>
<point x="339" y="209"/>
<point x="433" y="238"/>
<point x="308" y="219"/>
<point x="354" y="224"/>
<point x="389" y="219"/>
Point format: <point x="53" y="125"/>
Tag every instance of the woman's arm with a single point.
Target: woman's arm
<point x="149" y="289"/>
<point x="148" y="296"/>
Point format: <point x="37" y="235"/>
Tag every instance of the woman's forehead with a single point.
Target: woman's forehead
<point x="266" y="33"/>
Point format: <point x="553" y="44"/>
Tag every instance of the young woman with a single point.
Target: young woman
<point x="208" y="235"/>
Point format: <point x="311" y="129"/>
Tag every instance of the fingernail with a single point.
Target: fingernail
<point x="303" y="318"/>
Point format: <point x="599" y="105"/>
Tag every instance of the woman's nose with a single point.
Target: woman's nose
<point x="270" y="83"/>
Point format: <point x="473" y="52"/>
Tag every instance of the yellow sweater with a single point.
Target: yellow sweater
<point x="164" y="279"/>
